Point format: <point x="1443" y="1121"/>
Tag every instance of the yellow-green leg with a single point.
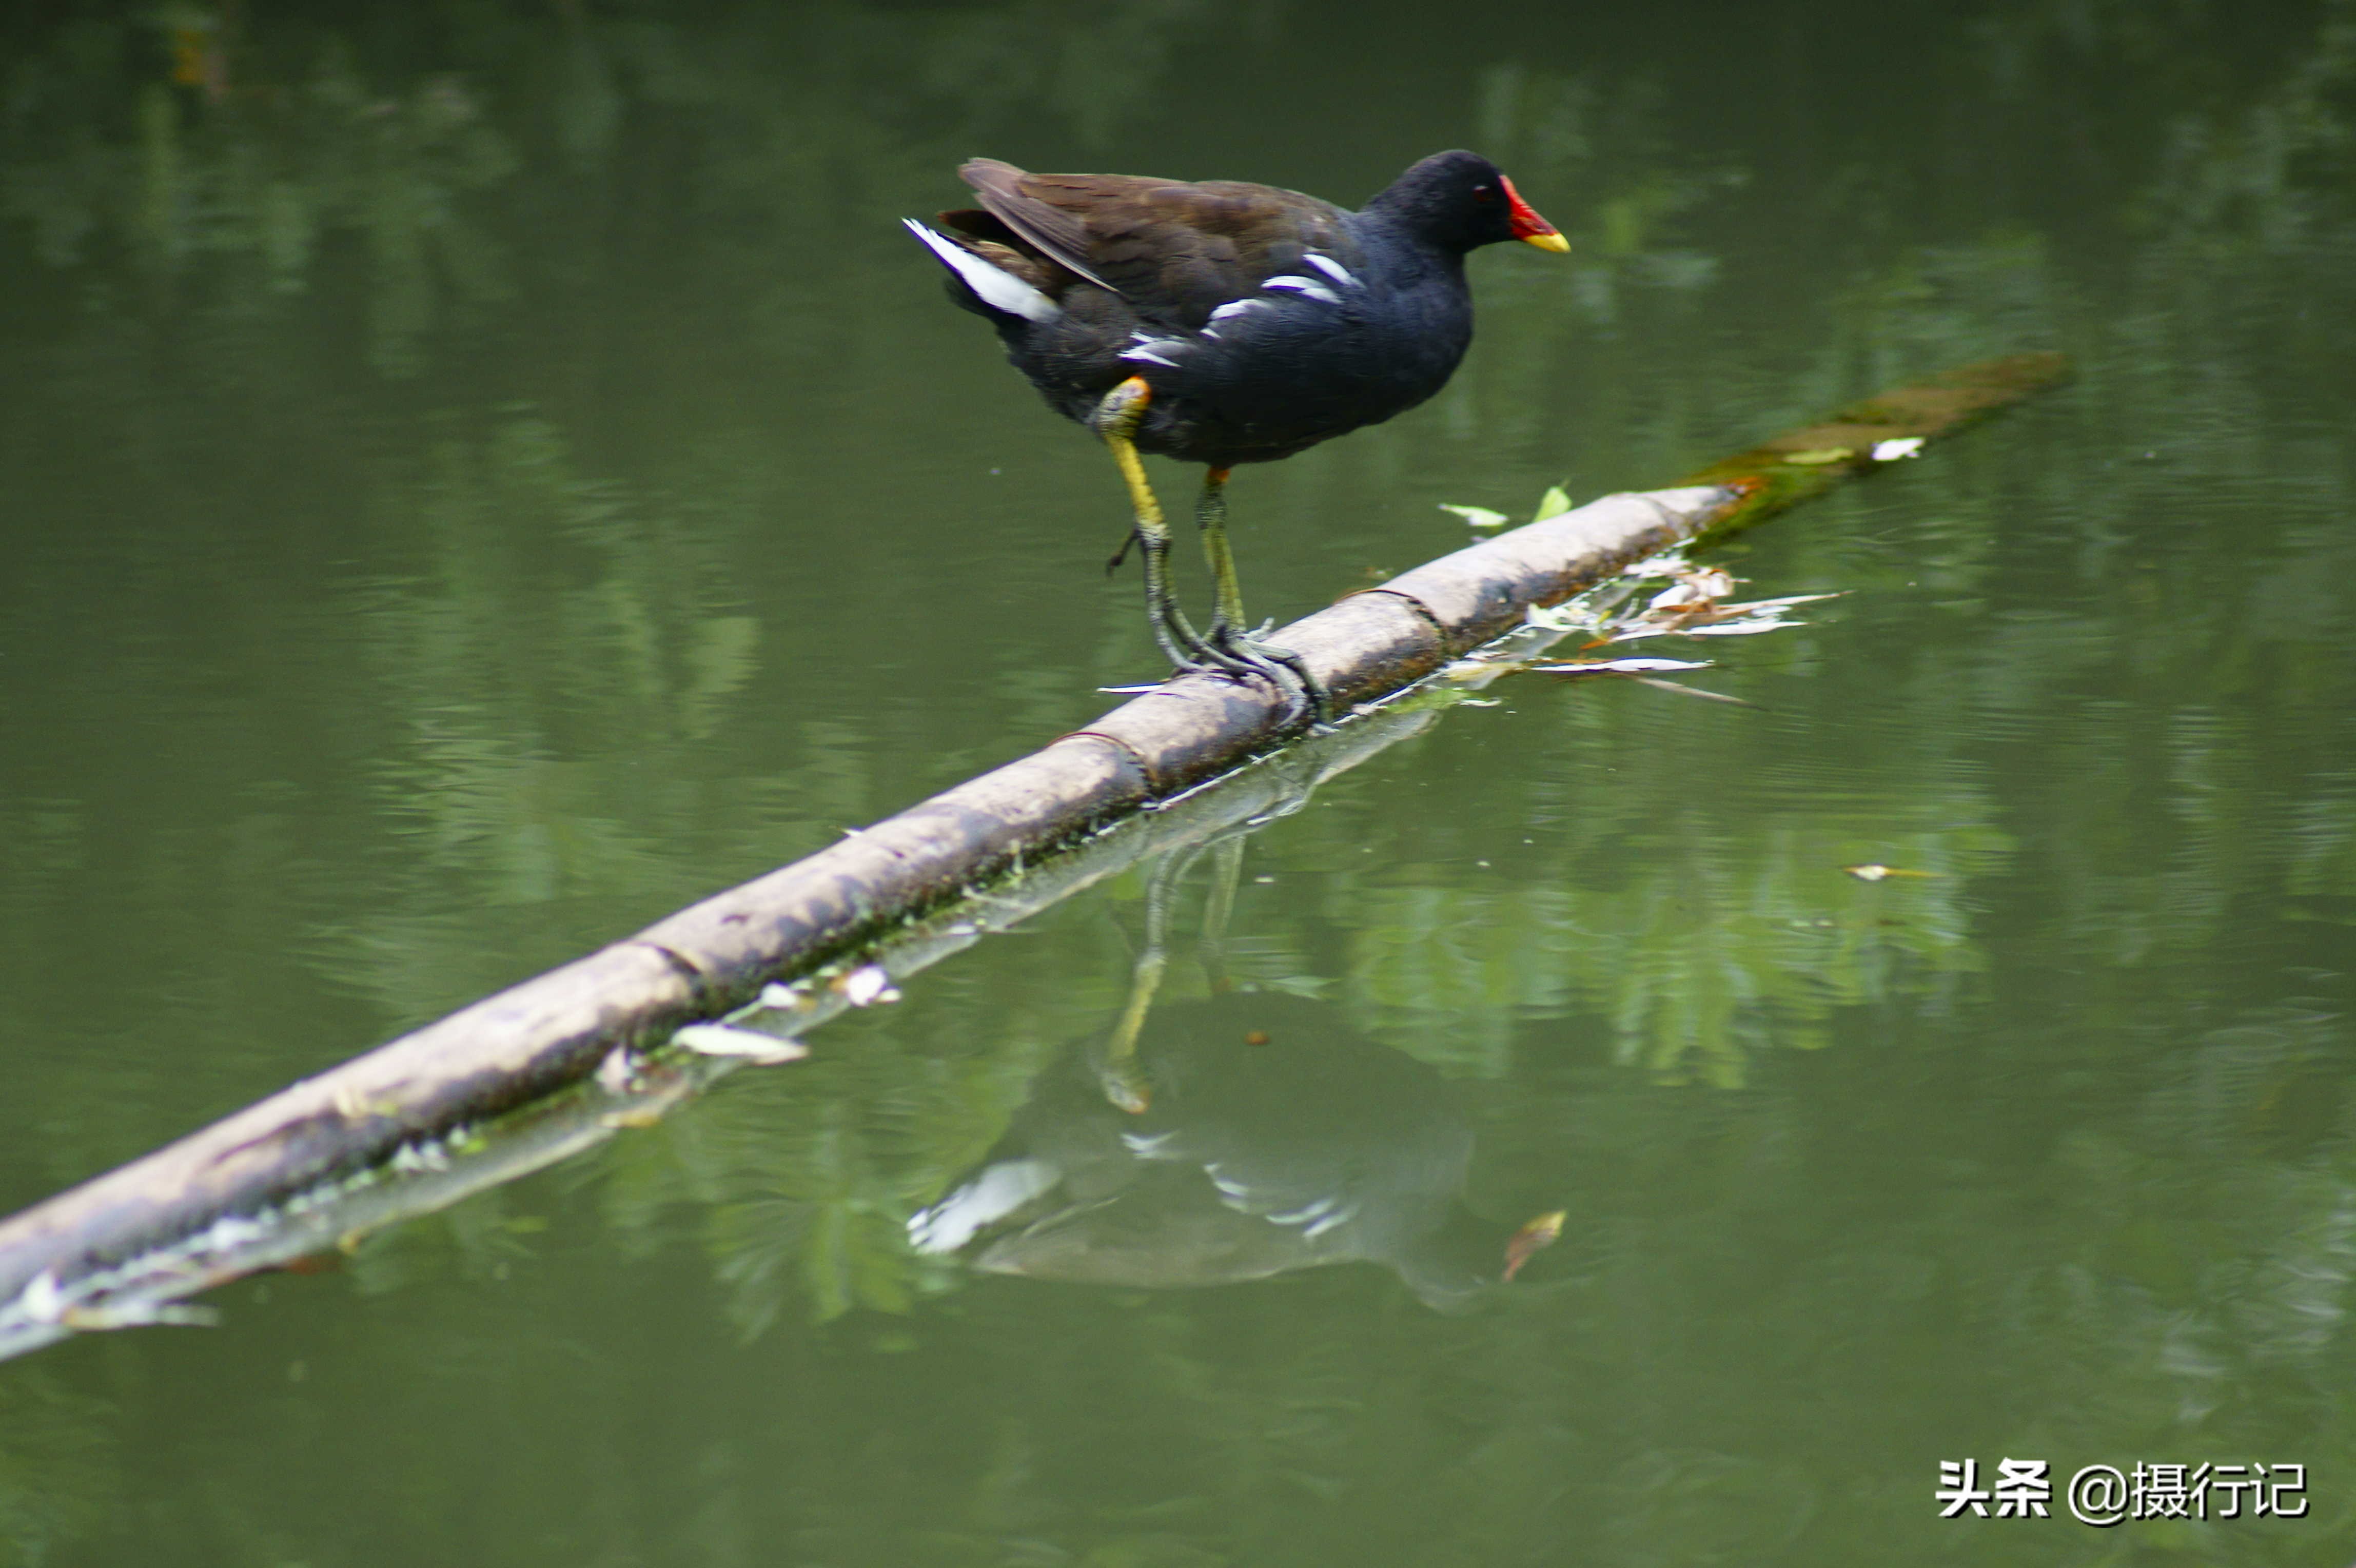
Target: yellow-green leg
<point x="1230" y="633"/>
<point x="1229" y="647"/>
<point x="1211" y="517"/>
<point x="1117" y="419"/>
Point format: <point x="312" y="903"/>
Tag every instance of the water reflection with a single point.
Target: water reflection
<point x="1273" y="1139"/>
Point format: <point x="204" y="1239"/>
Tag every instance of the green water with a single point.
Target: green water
<point x="474" y="477"/>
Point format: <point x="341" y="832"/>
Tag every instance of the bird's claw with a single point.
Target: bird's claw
<point x="1240" y="656"/>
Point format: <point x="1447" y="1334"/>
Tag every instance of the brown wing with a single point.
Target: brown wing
<point x="1160" y="243"/>
<point x="1059" y="235"/>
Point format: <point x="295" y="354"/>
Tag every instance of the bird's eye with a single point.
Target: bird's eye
<point x="1483" y="193"/>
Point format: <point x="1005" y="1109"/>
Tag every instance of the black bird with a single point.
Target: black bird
<point x="1224" y="323"/>
<point x="1273" y="1139"/>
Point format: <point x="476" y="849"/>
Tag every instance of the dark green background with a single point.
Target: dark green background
<point x="475" y="476"/>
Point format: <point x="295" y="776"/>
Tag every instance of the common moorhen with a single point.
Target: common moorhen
<point x="1274" y="1139"/>
<point x="1224" y="323"/>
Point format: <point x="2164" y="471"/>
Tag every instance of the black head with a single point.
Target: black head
<point x="1459" y="201"/>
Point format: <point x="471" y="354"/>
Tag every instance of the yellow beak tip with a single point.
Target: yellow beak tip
<point x="1554" y="242"/>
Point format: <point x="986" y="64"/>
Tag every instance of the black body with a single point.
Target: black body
<point x="1246" y="365"/>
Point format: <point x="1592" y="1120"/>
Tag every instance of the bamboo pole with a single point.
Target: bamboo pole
<point x="268" y="1183"/>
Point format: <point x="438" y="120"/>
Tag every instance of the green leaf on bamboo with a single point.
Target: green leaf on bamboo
<point x="1554" y="503"/>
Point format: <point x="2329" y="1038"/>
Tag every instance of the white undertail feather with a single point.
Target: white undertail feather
<point x="997" y="289"/>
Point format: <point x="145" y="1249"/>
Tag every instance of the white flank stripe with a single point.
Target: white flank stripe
<point x="1309" y="286"/>
<point x="1339" y="1216"/>
<point x="1331" y="268"/>
<point x="1237" y="307"/>
<point x="1306" y="1213"/>
<point x="1149" y="356"/>
<point x="999" y="290"/>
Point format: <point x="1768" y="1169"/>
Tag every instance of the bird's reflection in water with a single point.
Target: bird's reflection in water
<point x="1234" y="1139"/>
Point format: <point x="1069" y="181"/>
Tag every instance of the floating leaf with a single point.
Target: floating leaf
<point x="1821" y="455"/>
<point x="1478" y="516"/>
<point x="1739" y="628"/>
<point x="1709" y="619"/>
<point x="1554" y="503"/>
<point x="1903" y="446"/>
<point x="1700" y="586"/>
<point x="1531" y="1239"/>
<point x="1872" y="872"/>
<point x="726" y="1040"/>
<point x="1566" y="616"/>
<point x="1669" y="562"/>
<point x="1618" y="666"/>
<point x="140" y="1315"/>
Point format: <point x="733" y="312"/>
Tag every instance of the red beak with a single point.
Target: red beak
<point x="1528" y="226"/>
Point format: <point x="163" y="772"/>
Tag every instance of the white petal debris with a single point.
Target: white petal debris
<point x="747" y="1045"/>
<point x="1904" y="446"/>
<point x="41" y="1300"/>
<point x="865" y="987"/>
<point x="616" y="1070"/>
<point x="1876" y="872"/>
